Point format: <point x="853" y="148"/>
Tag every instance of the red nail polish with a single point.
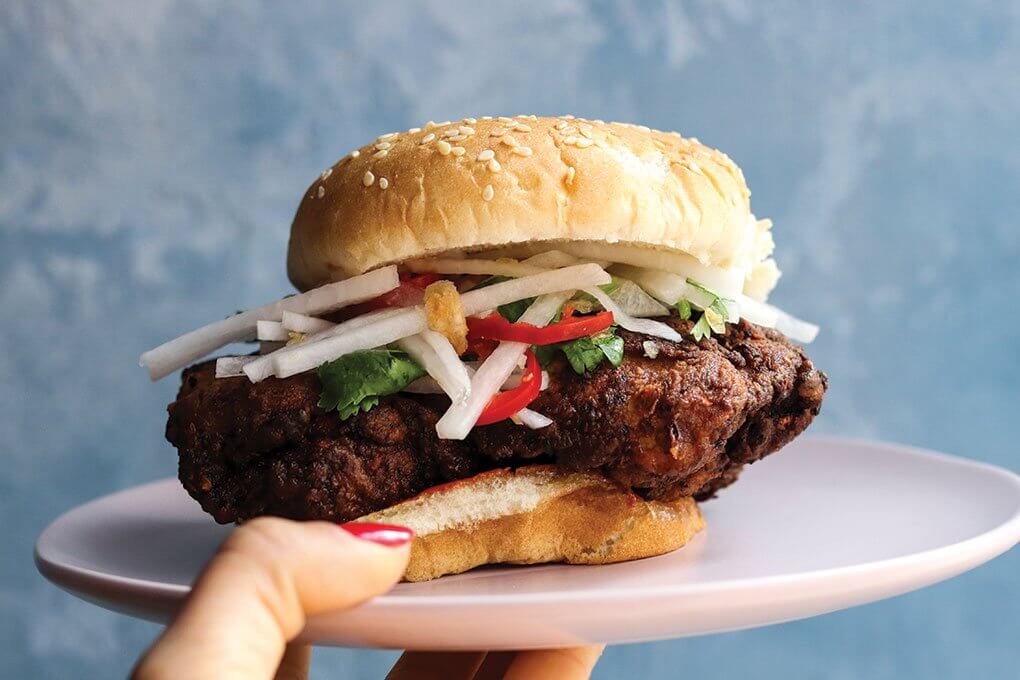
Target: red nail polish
<point x="389" y="535"/>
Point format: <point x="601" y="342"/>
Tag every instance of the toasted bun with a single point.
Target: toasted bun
<point x="436" y="190"/>
<point x="533" y="515"/>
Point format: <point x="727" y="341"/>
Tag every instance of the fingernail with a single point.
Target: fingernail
<point x="389" y="535"/>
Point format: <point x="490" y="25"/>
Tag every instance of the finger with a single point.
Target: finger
<point x="495" y="665"/>
<point x="572" y="663"/>
<point x="294" y="665"/>
<point x="254" y="595"/>
<point x="436" y="665"/>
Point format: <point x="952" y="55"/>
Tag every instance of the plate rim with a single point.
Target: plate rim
<point x="984" y="546"/>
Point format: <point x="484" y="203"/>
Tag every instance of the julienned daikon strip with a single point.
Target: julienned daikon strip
<point x="757" y="312"/>
<point x="270" y="330"/>
<point x="554" y="259"/>
<point x="263" y="367"/>
<point x="410" y="321"/>
<point x="232" y="367"/>
<point x="428" y="384"/>
<point x="436" y="355"/>
<point x="180" y="352"/>
<point x="532" y="419"/>
<point x="635" y="301"/>
<point x="460" y="418"/>
<point x="767" y="315"/>
<point x="622" y="318"/>
<point x="503" y="267"/>
<point x="667" y="287"/>
<point x="302" y="323"/>
<point x="442" y="265"/>
<point x="725" y="282"/>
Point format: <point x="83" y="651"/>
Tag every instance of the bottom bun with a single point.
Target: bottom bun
<point x="533" y="515"/>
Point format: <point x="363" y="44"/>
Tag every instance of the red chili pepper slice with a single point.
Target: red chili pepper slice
<point x="505" y="404"/>
<point x="495" y="327"/>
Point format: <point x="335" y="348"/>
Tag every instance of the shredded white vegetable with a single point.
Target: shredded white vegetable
<point x="668" y="288"/>
<point x="635" y="301"/>
<point x="263" y="368"/>
<point x="302" y="323"/>
<point x="270" y="330"/>
<point x="180" y="352"/>
<point x="726" y="282"/>
<point x="533" y="419"/>
<point x="410" y="321"/>
<point x="436" y="355"/>
<point x="442" y="265"/>
<point x="646" y="326"/>
<point x="428" y="385"/>
<point x="460" y="418"/>
<point x="232" y="367"/>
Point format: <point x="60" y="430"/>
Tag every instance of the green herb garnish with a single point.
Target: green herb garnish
<point x="355" y="381"/>
<point x="586" y="354"/>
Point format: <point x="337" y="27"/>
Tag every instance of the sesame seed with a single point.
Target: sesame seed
<point x="486" y="117"/>
<point x="444" y="147"/>
<point x="494" y="165"/>
<point x="429" y="125"/>
<point x="570" y="140"/>
<point x="497" y="132"/>
<point x="383" y="145"/>
<point x="486" y="155"/>
<point x="428" y="138"/>
<point x="487" y="193"/>
<point x="321" y="192"/>
<point x="521" y="127"/>
<point x="522" y="150"/>
<point x="509" y="140"/>
<point x="368" y="179"/>
<point x="458" y="151"/>
<point x="451" y="132"/>
<point x="444" y="123"/>
<point x="387" y="135"/>
<point x="384" y="183"/>
<point x="599" y="121"/>
<point x="466" y="130"/>
<point x="567" y="116"/>
<point x="504" y="119"/>
<point x="381" y="153"/>
<point x="355" y="153"/>
<point x="560" y="125"/>
<point x="326" y="173"/>
<point x="586" y="132"/>
<point x="583" y="143"/>
<point x="570" y="176"/>
<point x="533" y="117"/>
<point x="415" y="129"/>
<point x="643" y="128"/>
<point x="457" y="138"/>
<point x="472" y="121"/>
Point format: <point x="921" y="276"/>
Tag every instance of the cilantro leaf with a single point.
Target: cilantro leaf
<point x="586" y="354"/>
<point x="512" y="311"/>
<point x="701" y="329"/>
<point x="355" y="381"/>
<point x="713" y="317"/>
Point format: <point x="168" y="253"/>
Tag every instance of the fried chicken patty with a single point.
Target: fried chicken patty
<point x="674" y="419"/>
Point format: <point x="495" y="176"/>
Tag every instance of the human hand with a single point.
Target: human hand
<point x="254" y="596"/>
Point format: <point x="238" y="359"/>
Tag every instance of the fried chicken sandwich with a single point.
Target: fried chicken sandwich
<point x="528" y="339"/>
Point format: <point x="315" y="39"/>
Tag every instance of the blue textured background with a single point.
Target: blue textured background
<point x="151" y="155"/>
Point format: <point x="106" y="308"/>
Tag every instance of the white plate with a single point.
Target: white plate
<point x="825" y="524"/>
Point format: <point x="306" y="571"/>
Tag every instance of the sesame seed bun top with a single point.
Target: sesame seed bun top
<point x="488" y="183"/>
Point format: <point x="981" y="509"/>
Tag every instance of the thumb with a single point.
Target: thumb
<point x="255" y="594"/>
